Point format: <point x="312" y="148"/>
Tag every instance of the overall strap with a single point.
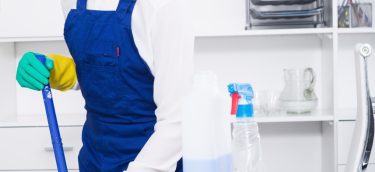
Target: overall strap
<point x="81" y="4"/>
<point x="125" y="5"/>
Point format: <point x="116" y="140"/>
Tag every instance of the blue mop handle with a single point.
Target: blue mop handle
<point x="53" y="125"/>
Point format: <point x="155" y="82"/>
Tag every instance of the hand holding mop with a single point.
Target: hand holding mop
<point x="52" y="124"/>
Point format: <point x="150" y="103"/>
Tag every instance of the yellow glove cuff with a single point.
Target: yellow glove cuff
<point x="63" y="75"/>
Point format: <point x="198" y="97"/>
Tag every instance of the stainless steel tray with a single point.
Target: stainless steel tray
<point x="282" y="2"/>
<point x="285" y="14"/>
<point x="287" y="23"/>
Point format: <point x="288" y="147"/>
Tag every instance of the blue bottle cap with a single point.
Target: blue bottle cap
<point x="245" y="111"/>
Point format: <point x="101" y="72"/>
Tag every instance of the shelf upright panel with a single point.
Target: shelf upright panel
<point x="334" y="14"/>
<point x="328" y="146"/>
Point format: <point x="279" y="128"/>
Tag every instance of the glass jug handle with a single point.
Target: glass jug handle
<point x="309" y="72"/>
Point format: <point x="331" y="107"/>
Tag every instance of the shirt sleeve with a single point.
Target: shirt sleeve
<point x="67" y="5"/>
<point x="172" y="44"/>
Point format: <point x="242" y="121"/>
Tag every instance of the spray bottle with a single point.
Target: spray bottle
<point x="246" y="150"/>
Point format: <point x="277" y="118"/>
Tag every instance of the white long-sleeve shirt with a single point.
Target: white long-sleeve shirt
<point x="163" y="35"/>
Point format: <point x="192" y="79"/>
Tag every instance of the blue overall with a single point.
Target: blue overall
<point x="117" y="86"/>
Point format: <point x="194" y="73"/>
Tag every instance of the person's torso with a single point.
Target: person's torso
<point x="115" y="81"/>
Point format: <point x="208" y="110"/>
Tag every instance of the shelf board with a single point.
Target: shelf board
<point x="305" y="31"/>
<point x="31" y="39"/>
<point x="345" y="114"/>
<point x="317" y="116"/>
<point x="79" y="119"/>
<point x="296" y="118"/>
<point x="242" y="33"/>
<point x="355" y="30"/>
<point x="346" y="118"/>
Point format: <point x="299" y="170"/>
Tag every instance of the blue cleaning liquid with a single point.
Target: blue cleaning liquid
<point x="220" y="164"/>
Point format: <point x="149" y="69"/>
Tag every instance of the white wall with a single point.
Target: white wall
<point x="212" y="16"/>
<point x="7" y="82"/>
<point x="346" y="88"/>
<point x="261" y="60"/>
<point x="30" y="18"/>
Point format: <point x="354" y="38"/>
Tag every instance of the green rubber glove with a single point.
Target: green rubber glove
<point x="31" y="73"/>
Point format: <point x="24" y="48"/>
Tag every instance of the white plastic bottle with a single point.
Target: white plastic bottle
<point x="245" y="135"/>
<point x="206" y="127"/>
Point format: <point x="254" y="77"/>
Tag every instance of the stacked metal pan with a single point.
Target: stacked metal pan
<point x="285" y="13"/>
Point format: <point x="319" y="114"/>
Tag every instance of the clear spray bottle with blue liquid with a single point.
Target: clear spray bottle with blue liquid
<point x="246" y="149"/>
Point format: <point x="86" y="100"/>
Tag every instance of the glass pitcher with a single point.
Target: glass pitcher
<point x="298" y="95"/>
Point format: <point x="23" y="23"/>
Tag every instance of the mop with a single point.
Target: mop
<point x="53" y="125"/>
<point x="363" y="136"/>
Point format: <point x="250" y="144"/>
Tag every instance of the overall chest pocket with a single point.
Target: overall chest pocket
<point x="101" y="53"/>
<point x="99" y="71"/>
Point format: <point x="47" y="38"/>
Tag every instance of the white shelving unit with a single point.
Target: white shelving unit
<point x="258" y="57"/>
<point x="316" y="142"/>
